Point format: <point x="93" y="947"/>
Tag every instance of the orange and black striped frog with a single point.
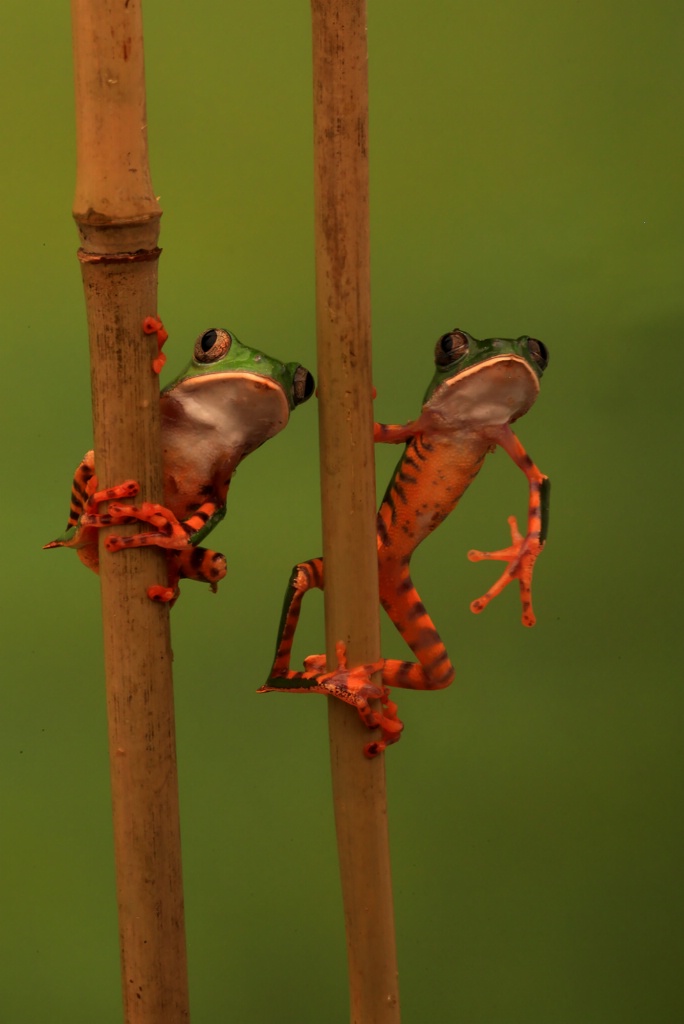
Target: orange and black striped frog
<point x="226" y="402"/>
<point x="479" y="388"/>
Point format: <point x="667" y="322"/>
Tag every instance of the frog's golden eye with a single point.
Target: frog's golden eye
<point x="212" y="345"/>
<point x="451" y="347"/>
<point x="539" y="353"/>
<point x="303" y="385"/>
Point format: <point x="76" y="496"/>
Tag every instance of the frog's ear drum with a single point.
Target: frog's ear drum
<point x="303" y="385"/>
<point x="451" y="347"/>
<point x="212" y="345"/>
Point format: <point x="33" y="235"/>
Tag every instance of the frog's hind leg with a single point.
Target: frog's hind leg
<point x="84" y="475"/>
<point x="305" y="576"/>
<point x="402" y="602"/>
<point x="79" y="496"/>
<point x="83" y="510"/>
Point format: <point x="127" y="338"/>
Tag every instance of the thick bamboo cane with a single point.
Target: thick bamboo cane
<point x="118" y="221"/>
<point x="348" y="490"/>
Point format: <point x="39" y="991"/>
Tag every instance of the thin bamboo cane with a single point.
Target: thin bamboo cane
<point x="348" y="491"/>
<point x="117" y="216"/>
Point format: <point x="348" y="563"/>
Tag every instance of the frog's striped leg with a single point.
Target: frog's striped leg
<point x="85" y="473"/>
<point x="305" y="576"/>
<point x="401" y="601"/>
<point x="523" y="551"/>
<point x="85" y="501"/>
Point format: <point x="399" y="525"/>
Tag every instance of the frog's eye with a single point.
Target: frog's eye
<point x="539" y="353"/>
<point x="303" y="385"/>
<point x="451" y="347"/>
<point x="212" y="345"/>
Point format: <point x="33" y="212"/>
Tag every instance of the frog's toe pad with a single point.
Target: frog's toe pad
<point x="162" y="594"/>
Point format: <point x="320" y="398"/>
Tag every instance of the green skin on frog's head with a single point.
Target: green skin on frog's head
<point x="232" y="396"/>
<point x="479" y="384"/>
<point x="224" y="405"/>
<point x="218" y="353"/>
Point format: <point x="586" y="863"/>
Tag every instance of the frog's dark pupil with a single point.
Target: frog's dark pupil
<point x="208" y="340"/>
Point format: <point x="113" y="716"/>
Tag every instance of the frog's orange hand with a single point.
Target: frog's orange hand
<point x="352" y="686"/>
<point x="153" y="325"/>
<point x="521" y="556"/>
<point x="523" y="551"/>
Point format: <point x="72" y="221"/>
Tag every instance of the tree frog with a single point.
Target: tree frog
<point x="226" y="402"/>
<point x="478" y="389"/>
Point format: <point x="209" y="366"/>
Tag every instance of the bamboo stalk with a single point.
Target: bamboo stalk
<point x="117" y="216"/>
<point x="348" y="491"/>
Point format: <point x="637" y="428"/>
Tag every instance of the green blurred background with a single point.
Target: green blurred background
<point x="526" y="178"/>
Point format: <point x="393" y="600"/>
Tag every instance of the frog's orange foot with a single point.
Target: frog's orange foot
<point x="153" y="325"/>
<point x="521" y="556"/>
<point x="128" y="489"/>
<point x="168" y="532"/>
<point x="389" y="724"/>
<point x="353" y="686"/>
<point x="91" y="516"/>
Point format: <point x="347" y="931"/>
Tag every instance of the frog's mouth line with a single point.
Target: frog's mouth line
<point x="503" y="358"/>
<point x="258" y="378"/>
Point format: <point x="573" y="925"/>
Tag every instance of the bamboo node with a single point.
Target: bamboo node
<point x="139" y="256"/>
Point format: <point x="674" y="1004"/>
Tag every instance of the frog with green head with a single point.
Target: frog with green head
<point x="478" y="389"/>
<point x="227" y="401"/>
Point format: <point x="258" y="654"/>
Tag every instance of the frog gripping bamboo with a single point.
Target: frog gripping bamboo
<point x="478" y="389"/>
<point x="227" y="402"/>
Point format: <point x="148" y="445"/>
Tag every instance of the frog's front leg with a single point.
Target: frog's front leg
<point x="523" y="551"/>
<point x="394" y="433"/>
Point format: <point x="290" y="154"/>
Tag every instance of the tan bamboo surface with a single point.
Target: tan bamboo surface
<point x="117" y="216"/>
<point x="348" y="491"/>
